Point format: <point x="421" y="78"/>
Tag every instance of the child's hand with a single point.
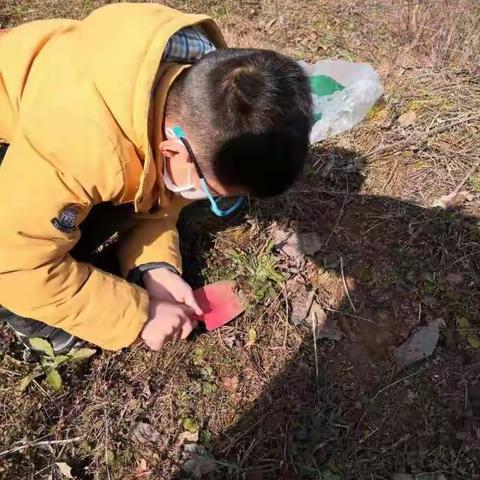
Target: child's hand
<point x="167" y="322"/>
<point x="166" y="286"/>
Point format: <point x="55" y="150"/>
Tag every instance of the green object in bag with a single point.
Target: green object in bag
<point x="323" y="85"/>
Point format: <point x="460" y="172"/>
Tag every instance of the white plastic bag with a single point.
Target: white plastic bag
<point x="343" y="93"/>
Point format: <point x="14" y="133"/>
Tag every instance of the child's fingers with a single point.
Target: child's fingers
<point x="190" y="301"/>
<point x="187" y="327"/>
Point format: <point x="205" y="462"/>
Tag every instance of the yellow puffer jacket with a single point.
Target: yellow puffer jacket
<point x="79" y="102"/>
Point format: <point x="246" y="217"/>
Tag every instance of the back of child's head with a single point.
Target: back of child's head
<point x="249" y="114"/>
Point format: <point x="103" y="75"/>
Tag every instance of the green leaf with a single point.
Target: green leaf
<point x="252" y="335"/>
<point x="474" y="341"/>
<point x="81" y="354"/>
<point x="209" y="389"/>
<point x="109" y="457"/>
<point x="206" y="372"/>
<point x="198" y="355"/>
<point x="25" y="382"/>
<point x="205" y="436"/>
<point x="54" y="380"/>
<point x="59" y="359"/>
<point x="42" y="345"/>
<point x="190" y="424"/>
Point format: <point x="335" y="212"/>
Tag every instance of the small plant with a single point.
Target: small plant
<point x="259" y="269"/>
<point x="50" y="363"/>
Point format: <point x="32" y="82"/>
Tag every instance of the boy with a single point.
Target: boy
<point x="108" y="115"/>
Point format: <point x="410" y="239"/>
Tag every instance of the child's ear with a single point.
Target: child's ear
<point x="172" y="147"/>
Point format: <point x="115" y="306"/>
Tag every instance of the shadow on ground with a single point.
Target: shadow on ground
<point x="360" y="416"/>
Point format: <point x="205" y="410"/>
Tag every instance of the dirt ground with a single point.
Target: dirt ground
<point x="261" y="399"/>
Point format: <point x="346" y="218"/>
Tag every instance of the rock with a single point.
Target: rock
<point x="144" y="433"/>
<point x="310" y="243"/>
<point x="187" y="437"/>
<point x="301" y="304"/>
<point x="419" y="346"/>
<point x="197" y="461"/>
<point x="324" y="328"/>
<point x="296" y="245"/>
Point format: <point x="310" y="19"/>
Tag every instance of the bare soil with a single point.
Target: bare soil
<point x="266" y="403"/>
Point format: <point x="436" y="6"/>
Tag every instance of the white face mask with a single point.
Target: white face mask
<point x="188" y="191"/>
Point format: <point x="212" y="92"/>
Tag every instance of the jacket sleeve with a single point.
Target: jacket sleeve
<point x="153" y="241"/>
<point x="38" y="277"/>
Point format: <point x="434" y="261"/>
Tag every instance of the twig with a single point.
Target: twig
<point x="348" y="314"/>
<point x="466" y="177"/>
<point x="421" y="138"/>
<point x="396" y="382"/>
<point x="314" y="332"/>
<point x="339" y="216"/>
<point x="342" y="273"/>
<point x="390" y="177"/>
<point x="44" y="443"/>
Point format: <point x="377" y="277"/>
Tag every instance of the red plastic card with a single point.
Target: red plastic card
<point x="220" y="304"/>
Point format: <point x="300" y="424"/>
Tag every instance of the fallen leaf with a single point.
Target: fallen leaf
<point x="190" y="424"/>
<point x="42" y="345"/>
<point x="25" y="382"/>
<point x="142" y="469"/>
<point x="453" y="199"/>
<point x="65" y="469"/>
<point x="407" y="118"/>
<point x="143" y="432"/>
<point x="54" y="380"/>
<point x="252" y="335"/>
<point x="419" y="346"/>
<point x="230" y="384"/>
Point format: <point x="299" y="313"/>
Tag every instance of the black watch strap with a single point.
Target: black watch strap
<point x="136" y="274"/>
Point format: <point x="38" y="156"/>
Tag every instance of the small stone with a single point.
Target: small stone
<point x="310" y="243"/>
<point x="301" y="304"/>
<point x="454" y="278"/>
<point x="419" y="346"/>
<point x="324" y="327"/>
<point x="430" y="300"/>
<point x="402" y="476"/>
<point x="143" y="432"/>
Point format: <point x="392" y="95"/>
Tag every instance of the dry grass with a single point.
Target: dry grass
<point x="369" y="193"/>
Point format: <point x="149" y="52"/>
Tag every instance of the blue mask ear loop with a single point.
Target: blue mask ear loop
<point x="203" y="183"/>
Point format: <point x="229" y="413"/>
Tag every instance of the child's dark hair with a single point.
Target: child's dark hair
<point x="250" y="114"/>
